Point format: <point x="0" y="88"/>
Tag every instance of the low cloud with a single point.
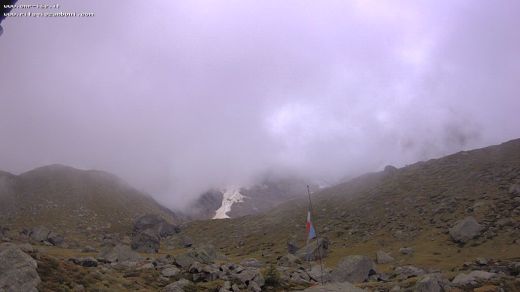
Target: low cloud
<point x="176" y="97"/>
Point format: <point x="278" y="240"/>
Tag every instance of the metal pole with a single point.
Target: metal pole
<point x="317" y="238"/>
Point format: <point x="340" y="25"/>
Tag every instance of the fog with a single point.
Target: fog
<point x="179" y="96"/>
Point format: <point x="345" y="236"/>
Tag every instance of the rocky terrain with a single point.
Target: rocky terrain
<point x="448" y="224"/>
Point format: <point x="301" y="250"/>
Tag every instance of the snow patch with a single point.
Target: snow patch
<point x="230" y="196"/>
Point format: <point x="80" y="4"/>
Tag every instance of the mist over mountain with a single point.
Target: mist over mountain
<point x="181" y="97"/>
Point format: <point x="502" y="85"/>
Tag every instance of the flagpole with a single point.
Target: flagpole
<point x="317" y="237"/>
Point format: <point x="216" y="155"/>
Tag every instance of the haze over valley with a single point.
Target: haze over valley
<point x="234" y="146"/>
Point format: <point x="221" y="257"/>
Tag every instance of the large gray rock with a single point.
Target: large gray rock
<point x="154" y="224"/>
<point x="289" y="260"/>
<point x="249" y="275"/>
<point x="179" y="286"/>
<point x="39" y="234"/>
<point x="408" y="272"/>
<point x="179" y="241"/>
<point x="406" y="250"/>
<point x="335" y="287"/>
<point x="429" y="283"/>
<point x="205" y="254"/>
<point x="55" y="238"/>
<point x="118" y="253"/>
<point x="315" y="250"/>
<point x="472" y="278"/>
<point x="383" y="258"/>
<point x="170" y="272"/>
<point x="354" y="269"/>
<point x="146" y="241"/>
<point x="17" y="270"/>
<point x="320" y="273"/>
<point x="465" y="230"/>
<point x="253" y="263"/>
<point x="42" y="234"/>
<point x="294" y="276"/>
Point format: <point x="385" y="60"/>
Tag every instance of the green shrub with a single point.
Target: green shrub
<point x="272" y="276"/>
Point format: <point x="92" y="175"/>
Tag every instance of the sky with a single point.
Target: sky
<point x="179" y="96"/>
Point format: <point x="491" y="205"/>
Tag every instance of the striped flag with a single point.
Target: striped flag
<point x="311" y="233"/>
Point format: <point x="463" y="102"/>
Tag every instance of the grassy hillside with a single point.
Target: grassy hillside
<point x="72" y="200"/>
<point x="409" y="207"/>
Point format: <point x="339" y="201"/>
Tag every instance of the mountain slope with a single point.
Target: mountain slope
<point x="270" y="192"/>
<point x="412" y="206"/>
<point x="70" y="199"/>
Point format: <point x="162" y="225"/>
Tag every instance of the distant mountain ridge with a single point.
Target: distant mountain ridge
<point x="71" y="199"/>
<point x="248" y="200"/>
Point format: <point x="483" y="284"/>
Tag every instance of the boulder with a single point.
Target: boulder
<point x="146" y="241"/>
<point x="465" y="230"/>
<point x="295" y="276"/>
<point x="178" y="241"/>
<point x="17" y="270"/>
<point x="170" y="272"/>
<point x="42" y="234"/>
<point x="85" y="262"/>
<point x="335" y="287"/>
<point x="315" y="250"/>
<point x="354" y="269"/>
<point x="383" y="258"/>
<point x="253" y="263"/>
<point x="429" y="283"/>
<point x="319" y="273"/>
<point x="472" y="278"/>
<point x="249" y="275"/>
<point x="118" y="253"/>
<point x="39" y="234"/>
<point x="55" y="238"/>
<point x="179" y="286"/>
<point x="289" y="260"/>
<point x="205" y="254"/>
<point x="408" y="272"/>
<point x="207" y="273"/>
<point x="406" y="250"/>
<point x="154" y="224"/>
<point x="88" y="248"/>
<point x="514" y="189"/>
<point x="26" y="247"/>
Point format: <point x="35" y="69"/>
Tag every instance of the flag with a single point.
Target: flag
<point x="311" y="233"/>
